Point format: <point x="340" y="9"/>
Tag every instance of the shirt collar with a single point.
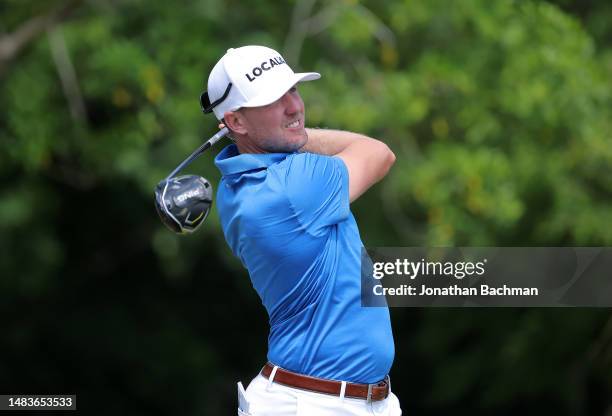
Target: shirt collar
<point x="230" y="161"/>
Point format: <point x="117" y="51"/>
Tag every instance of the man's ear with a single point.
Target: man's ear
<point x="235" y="122"/>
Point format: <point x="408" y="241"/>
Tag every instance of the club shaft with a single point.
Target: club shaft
<point x="210" y="142"/>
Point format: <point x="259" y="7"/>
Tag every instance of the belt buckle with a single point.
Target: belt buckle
<point x="386" y="382"/>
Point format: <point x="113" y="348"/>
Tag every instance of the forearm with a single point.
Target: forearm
<point x="331" y="142"/>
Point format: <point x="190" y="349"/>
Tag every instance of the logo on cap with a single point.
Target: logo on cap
<point x="264" y="66"/>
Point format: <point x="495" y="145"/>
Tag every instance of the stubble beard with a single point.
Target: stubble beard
<point x="285" y="144"/>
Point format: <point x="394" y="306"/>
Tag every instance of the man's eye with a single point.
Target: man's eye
<point x="293" y="89"/>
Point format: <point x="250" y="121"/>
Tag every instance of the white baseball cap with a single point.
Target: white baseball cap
<point x="249" y="76"/>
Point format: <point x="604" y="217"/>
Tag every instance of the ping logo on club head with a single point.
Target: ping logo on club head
<point x="264" y="66"/>
<point x="189" y="194"/>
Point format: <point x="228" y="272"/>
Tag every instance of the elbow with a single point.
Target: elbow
<point x="389" y="160"/>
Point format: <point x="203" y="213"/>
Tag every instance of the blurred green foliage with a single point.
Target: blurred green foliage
<point x="499" y="112"/>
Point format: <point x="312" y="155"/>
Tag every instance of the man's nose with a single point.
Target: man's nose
<point x="292" y="101"/>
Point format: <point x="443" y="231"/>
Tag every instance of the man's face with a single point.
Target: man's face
<point x="276" y="127"/>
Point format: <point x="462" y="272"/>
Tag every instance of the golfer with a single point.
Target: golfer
<point x="284" y="204"/>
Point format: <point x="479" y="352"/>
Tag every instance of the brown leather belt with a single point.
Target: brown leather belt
<point x="370" y="392"/>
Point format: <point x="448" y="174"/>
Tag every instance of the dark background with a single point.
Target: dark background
<point x="499" y="113"/>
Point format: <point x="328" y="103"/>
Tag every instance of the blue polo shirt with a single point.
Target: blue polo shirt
<point x="286" y="216"/>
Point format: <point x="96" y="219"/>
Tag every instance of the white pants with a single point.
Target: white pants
<point x="263" y="398"/>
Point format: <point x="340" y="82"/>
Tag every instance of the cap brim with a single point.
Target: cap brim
<point x="278" y="91"/>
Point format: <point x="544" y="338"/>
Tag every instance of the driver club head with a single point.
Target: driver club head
<point x="183" y="202"/>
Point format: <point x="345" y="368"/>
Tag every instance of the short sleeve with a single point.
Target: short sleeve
<point x="318" y="190"/>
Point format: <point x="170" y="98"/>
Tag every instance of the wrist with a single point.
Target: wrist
<point x="313" y="144"/>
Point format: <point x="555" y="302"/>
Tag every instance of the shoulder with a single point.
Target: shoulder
<point x="312" y="166"/>
<point x="316" y="186"/>
<point x="310" y="175"/>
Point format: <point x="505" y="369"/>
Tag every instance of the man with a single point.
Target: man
<point x="284" y="202"/>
